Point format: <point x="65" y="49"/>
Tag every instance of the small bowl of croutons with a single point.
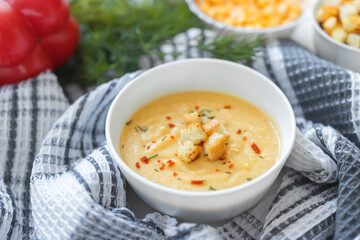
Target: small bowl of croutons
<point x="200" y="139"/>
<point x="337" y="32"/>
<point x="272" y="19"/>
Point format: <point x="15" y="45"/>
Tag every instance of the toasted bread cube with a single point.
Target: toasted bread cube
<point x="192" y="117"/>
<point x="215" y="126"/>
<point x="330" y="24"/>
<point x="326" y="12"/>
<point x="215" y="146"/>
<point x="194" y="133"/>
<point x="339" y="34"/>
<point x="347" y="10"/>
<point x="188" y="152"/>
<point x="350" y="24"/>
<point x="353" y="39"/>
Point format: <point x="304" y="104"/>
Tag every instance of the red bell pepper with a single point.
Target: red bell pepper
<point x="35" y="35"/>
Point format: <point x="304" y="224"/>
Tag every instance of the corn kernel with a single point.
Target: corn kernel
<point x="353" y="39"/>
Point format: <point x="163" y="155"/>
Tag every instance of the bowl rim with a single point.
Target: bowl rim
<point x="319" y="30"/>
<point x="209" y="20"/>
<point x="201" y="194"/>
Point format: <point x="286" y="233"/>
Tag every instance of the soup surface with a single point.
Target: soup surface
<point x="150" y="141"/>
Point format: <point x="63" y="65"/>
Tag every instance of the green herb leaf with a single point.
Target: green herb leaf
<point x="143" y="129"/>
<point x="128" y="123"/>
<point x="228" y="172"/>
<point x="211" y="117"/>
<point x="261" y="156"/>
<point x="152" y="157"/>
<point x="191" y="112"/>
<point x="156" y="170"/>
<point x="122" y="146"/>
<point x="249" y="179"/>
<point x="211" y="188"/>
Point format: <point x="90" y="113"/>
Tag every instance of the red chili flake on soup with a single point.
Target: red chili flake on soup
<point x="170" y="162"/>
<point x="175" y="154"/>
<point x="171" y="125"/>
<point x="144" y="160"/>
<point x="148" y="147"/>
<point x="158" y="161"/>
<point x="256" y="148"/>
<point x="244" y="139"/>
<point x="172" y="136"/>
<point x="175" y="174"/>
<point x="162" y="166"/>
<point x="227" y="106"/>
<point x="168" y="118"/>
<point x="137" y="164"/>
<point x="196" y="107"/>
<point x="231" y="165"/>
<point x="153" y="141"/>
<point x="217" y="170"/>
<point x="197" y="182"/>
<point x="238" y="131"/>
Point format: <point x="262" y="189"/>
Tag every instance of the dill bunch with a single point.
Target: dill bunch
<point x="115" y="33"/>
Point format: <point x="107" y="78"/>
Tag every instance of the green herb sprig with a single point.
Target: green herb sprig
<point x="115" y="33"/>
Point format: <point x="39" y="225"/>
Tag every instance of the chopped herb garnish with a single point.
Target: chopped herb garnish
<point x="191" y="112"/>
<point x="163" y="138"/>
<point x="224" y="163"/>
<point x="211" y="188"/>
<point x="228" y="172"/>
<point x="205" y="110"/>
<point x="128" y="122"/>
<point x="211" y="117"/>
<point x="203" y="115"/>
<point x="152" y="157"/>
<point x="179" y="178"/>
<point x="244" y="131"/>
<point x="245" y="136"/>
<point x="249" y="178"/>
<point x="122" y="146"/>
<point x="144" y="146"/>
<point x="226" y="144"/>
<point x="156" y="170"/>
<point x="261" y="156"/>
<point x="143" y="129"/>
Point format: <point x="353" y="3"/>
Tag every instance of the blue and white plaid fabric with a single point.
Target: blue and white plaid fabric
<point x="58" y="181"/>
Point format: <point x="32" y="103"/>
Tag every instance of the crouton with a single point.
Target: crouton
<point x="194" y="133"/>
<point x="192" y="117"/>
<point x="215" y="146"/>
<point x="215" y="126"/>
<point x="339" y="34"/>
<point x="188" y="152"/>
<point x="353" y="40"/>
<point x="330" y="24"/>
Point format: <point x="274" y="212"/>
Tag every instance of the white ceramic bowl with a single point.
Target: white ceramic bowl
<point x="270" y="33"/>
<point x="332" y="50"/>
<point x="208" y="75"/>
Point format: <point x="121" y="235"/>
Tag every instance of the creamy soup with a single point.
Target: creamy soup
<point x="150" y="141"/>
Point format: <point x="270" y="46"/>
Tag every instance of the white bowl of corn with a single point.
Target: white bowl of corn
<point x="337" y="31"/>
<point x="270" y="18"/>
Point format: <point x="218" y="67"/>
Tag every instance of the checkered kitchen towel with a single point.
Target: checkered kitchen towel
<point x="58" y="181"/>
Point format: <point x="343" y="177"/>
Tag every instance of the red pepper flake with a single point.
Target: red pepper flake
<point x="168" y="118"/>
<point x="171" y="125"/>
<point x="231" y="165"/>
<point x="153" y="141"/>
<point x="197" y="182"/>
<point x="175" y="154"/>
<point x="256" y="148"/>
<point x="175" y="174"/>
<point x="170" y="162"/>
<point x="196" y="107"/>
<point x="223" y="158"/>
<point x="148" y="147"/>
<point x="137" y="164"/>
<point x="227" y="106"/>
<point x="172" y="136"/>
<point x="162" y="166"/>
<point x="217" y="170"/>
<point x="144" y="160"/>
<point x="229" y="161"/>
<point x="244" y="139"/>
<point x="201" y="143"/>
<point x="238" y="131"/>
<point x="158" y="161"/>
